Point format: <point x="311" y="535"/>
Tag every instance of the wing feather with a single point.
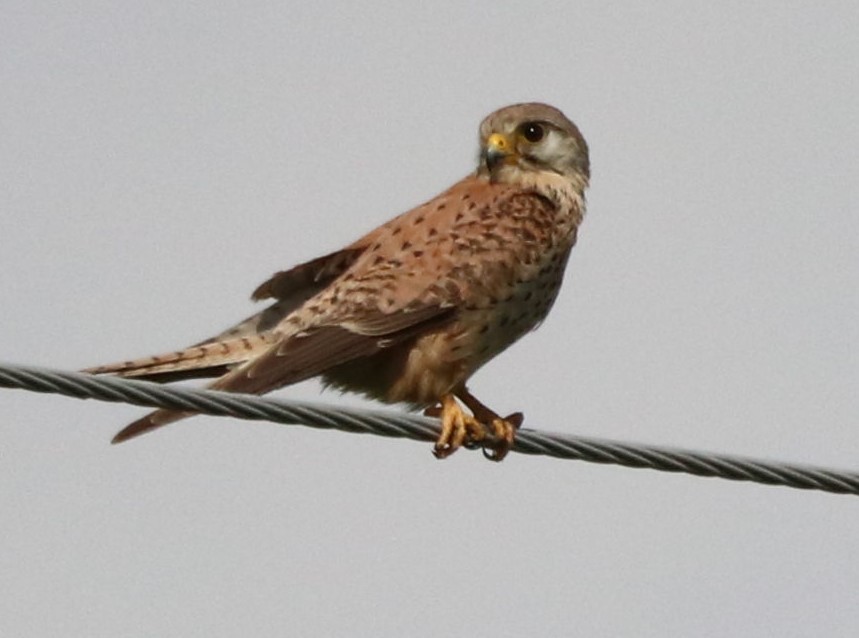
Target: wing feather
<point x="309" y="353"/>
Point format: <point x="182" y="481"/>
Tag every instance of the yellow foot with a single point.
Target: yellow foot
<point x="457" y="429"/>
<point x="503" y="429"/>
<point x="504" y="433"/>
<point x="495" y="435"/>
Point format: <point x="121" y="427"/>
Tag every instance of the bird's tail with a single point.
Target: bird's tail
<point x="152" y="421"/>
<point x="205" y="360"/>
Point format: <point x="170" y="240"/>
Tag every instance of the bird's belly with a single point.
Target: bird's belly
<point x="418" y="371"/>
<point x="496" y="327"/>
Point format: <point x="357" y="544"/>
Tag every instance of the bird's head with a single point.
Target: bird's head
<point x="532" y="138"/>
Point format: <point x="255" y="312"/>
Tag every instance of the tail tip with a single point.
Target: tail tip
<point x="123" y="435"/>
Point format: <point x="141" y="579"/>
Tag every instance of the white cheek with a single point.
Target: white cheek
<point x="552" y="147"/>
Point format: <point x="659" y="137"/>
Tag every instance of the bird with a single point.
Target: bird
<point x="410" y="311"/>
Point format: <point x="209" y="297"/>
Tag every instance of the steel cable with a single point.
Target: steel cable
<point x="403" y="425"/>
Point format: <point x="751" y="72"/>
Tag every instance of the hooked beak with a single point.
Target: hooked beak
<point x="498" y="149"/>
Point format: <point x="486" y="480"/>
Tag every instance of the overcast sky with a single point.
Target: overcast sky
<point x="161" y="159"/>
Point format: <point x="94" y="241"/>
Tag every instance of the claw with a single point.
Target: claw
<point x="457" y="429"/>
<point x="504" y="433"/>
<point x="485" y="429"/>
<point x="515" y="419"/>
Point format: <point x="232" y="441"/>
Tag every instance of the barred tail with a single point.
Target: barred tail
<point x="205" y="360"/>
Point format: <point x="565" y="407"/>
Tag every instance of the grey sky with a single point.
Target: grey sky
<point x="159" y="160"/>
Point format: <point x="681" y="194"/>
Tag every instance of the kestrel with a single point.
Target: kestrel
<point x="411" y="310"/>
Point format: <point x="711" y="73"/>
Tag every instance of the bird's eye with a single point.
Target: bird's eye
<point x="533" y="132"/>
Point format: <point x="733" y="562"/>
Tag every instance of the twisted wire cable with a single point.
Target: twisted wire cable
<point x="403" y="425"/>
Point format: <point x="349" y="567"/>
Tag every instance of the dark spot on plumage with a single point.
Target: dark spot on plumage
<point x="419" y="220"/>
<point x="376" y="246"/>
<point x="397" y="230"/>
<point x="441" y="206"/>
<point x="433" y="232"/>
<point x="483" y="329"/>
<point x="378" y="260"/>
<point x="406" y="245"/>
<point x="528" y="295"/>
<point x="523" y="316"/>
<point x="460" y="214"/>
<point x="417" y="253"/>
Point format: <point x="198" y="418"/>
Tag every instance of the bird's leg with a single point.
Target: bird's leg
<point x="457" y="428"/>
<point x="503" y="429"/>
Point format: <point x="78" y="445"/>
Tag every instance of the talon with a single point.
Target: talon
<point x="504" y="433"/>
<point x="515" y="419"/>
<point x="485" y="429"/>
<point x="503" y="429"/>
<point x="458" y="429"/>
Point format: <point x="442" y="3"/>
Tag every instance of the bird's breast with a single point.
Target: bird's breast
<point x="492" y="320"/>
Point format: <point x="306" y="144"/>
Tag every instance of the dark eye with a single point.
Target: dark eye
<point x="533" y="132"/>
